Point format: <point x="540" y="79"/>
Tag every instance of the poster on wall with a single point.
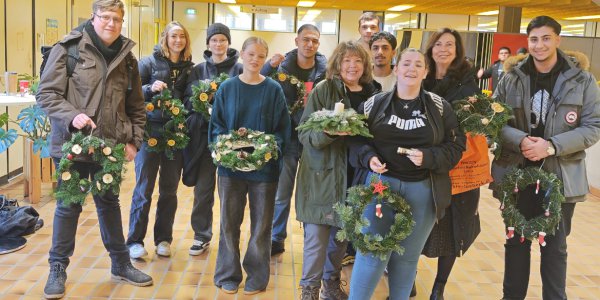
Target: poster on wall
<point x="51" y="31"/>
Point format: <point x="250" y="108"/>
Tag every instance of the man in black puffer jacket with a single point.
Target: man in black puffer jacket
<point x="308" y="66"/>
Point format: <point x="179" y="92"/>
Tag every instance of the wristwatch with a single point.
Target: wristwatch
<point x="550" y="150"/>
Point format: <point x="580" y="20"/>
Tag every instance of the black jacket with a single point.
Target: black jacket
<point x="451" y="89"/>
<point x="156" y="67"/>
<point x="196" y="124"/>
<point x="439" y="159"/>
<point x="290" y="66"/>
<point x="492" y="72"/>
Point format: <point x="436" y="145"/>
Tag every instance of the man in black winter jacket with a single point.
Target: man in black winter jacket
<point x="495" y="71"/>
<point x="307" y="65"/>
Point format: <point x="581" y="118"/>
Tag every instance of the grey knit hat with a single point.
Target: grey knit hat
<point x="218" y="28"/>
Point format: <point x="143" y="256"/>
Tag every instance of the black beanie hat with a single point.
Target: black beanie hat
<point x="218" y="28"/>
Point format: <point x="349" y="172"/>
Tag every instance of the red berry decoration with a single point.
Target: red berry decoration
<point x="70" y="156"/>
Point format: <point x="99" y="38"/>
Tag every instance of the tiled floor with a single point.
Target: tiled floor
<point x="477" y="275"/>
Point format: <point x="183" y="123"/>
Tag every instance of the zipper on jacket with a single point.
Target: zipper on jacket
<point x="433" y="196"/>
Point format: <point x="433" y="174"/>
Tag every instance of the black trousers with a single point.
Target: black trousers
<point x="553" y="266"/>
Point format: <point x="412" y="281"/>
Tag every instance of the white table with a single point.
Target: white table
<point x="16" y="100"/>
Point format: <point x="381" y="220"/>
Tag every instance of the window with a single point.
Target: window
<point x="397" y="21"/>
<point x="486" y="23"/>
<point x="283" y="21"/>
<point x="325" y="19"/>
<point x="232" y="16"/>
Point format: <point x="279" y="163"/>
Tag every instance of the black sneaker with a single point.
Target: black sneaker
<point x="55" y="286"/>
<point x="127" y="272"/>
<point x="277" y="248"/>
<point x="199" y="247"/>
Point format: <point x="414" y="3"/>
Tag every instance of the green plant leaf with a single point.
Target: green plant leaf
<point x="7" y="138"/>
<point x="31" y="119"/>
<point x="41" y="145"/>
<point x="3" y="119"/>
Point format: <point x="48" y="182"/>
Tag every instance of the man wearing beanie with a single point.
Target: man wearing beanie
<point x="218" y="28"/>
<point x="198" y="168"/>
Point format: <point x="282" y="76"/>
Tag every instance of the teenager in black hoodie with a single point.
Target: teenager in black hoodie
<point x="199" y="170"/>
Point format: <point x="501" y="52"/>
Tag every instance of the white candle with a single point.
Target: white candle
<point x="339" y="108"/>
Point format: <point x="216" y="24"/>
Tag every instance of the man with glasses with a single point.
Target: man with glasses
<point x="557" y="117"/>
<point x="104" y="94"/>
<point x="308" y="66"/>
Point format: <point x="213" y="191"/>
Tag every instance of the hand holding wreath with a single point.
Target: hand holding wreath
<point x="73" y="189"/>
<point x="244" y="150"/>
<point x="355" y="225"/>
<point x="173" y="135"/>
<point x="347" y="122"/>
<point x="203" y="93"/>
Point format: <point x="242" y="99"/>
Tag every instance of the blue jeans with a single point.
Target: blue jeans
<point x="66" y="218"/>
<point x="147" y="166"/>
<point x="204" y="198"/>
<point x="285" y="188"/>
<point x="261" y="197"/>
<point x="401" y="268"/>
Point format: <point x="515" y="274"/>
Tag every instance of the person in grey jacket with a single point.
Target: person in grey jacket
<point x="104" y="94"/>
<point x="308" y="65"/>
<point x="198" y="168"/>
<point x="557" y="116"/>
<point x="167" y="68"/>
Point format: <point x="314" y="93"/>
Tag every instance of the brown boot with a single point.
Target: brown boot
<point x="332" y="290"/>
<point x="309" y="293"/>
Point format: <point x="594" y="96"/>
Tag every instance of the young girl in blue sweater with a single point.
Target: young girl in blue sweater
<point x="255" y="102"/>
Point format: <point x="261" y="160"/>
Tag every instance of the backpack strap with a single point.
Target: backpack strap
<point x="129" y="65"/>
<point x="73" y="53"/>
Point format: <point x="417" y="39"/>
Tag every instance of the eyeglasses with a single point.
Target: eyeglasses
<point x="107" y="19"/>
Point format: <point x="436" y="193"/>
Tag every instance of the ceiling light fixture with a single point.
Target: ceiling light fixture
<point x="306" y="3"/>
<point x="228" y="1"/>
<point x="489" y="13"/>
<point x="584" y="17"/>
<point x="401" y="7"/>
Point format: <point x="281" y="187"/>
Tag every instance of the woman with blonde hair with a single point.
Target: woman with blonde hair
<point x="324" y="173"/>
<point x="252" y="101"/>
<point x="167" y="68"/>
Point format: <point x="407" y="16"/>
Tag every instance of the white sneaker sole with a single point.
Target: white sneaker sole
<point x="120" y="278"/>
<point x="163" y="253"/>
<point x="197" y="252"/>
<point x="53" y="296"/>
<point x="145" y="253"/>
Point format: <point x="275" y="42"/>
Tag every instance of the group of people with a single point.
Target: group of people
<point x="105" y="93"/>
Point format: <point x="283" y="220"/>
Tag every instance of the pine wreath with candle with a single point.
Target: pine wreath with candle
<point x="546" y="184"/>
<point x="244" y="150"/>
<point x="327" y="120"/>
<point x="298" y="84"/>
<point x="203" y="93"/>
<point x="173" y="135"/>
<point x="354" y="222"/>
<point x="87" y="148"/>
<point x="481" y="115"/>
